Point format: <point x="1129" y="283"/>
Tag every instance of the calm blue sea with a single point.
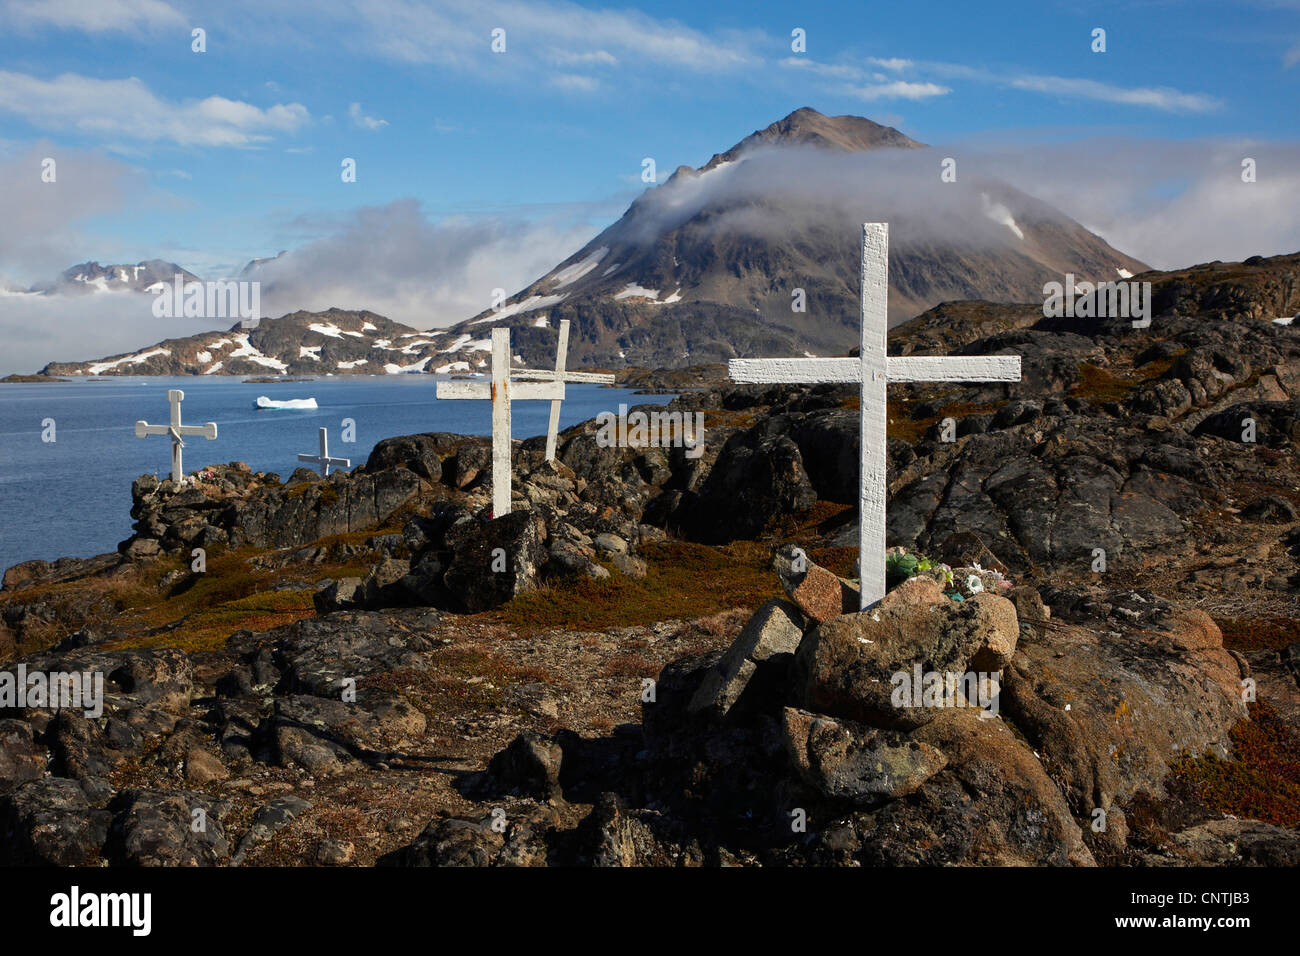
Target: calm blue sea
<point x="72" y="497"/>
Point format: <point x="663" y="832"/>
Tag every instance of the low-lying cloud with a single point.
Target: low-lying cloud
<point x="394" y="260"/>
<point x="1169" y="204"/>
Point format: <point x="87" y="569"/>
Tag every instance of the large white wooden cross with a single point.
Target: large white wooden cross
<point x="872" y="370"/>
<point x="323" y="460"/>
<point x="176" y="430"/>
<point x="513" y="386"/>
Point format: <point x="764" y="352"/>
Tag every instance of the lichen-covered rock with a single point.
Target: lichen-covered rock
<point x="49" y="822"/>
<point x="846" y="667"/>
<point x="859" y="765"/>
<point x="765" y="645"/>
<point x="167" y="828"/>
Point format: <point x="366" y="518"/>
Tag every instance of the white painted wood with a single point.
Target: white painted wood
<point x="873" y="489"/>
<point x="570" y="377"/>
<point x="501" y="422"/>
<point x="323" y="460"/>
<point x="872" y="370"/>
<point x="519" y="391"/>
<point x="177" y="431"/>
<point x="553" y="423"/>
<point x="812" y="371"/>
<point x="910" y="368"/>
<point x="954" y="368"/>
<point x="517" y="385"/>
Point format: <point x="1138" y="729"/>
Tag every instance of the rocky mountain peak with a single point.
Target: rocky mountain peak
<point x="808" y="127"/>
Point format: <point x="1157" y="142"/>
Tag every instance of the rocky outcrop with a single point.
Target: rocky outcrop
<point x="230" y="507"/>
<point x="807" y="742"/>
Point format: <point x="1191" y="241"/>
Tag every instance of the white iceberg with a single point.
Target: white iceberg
<point x="264" y="402"/>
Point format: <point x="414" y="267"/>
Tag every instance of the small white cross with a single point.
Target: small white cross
<point x="323" y="459"/>
<point x="871" y="370"/>
<point x="518" y="385"/>
<point x="176" y="430"/>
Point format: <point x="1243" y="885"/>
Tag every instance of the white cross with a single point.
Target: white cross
<point x="176" y="430"/>
<point x="324" y="459"/>
<point x="560" y="375"/>
<point x="514" y="386"/>
<point x="871" y="370"/>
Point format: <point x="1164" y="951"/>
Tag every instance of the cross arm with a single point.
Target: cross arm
<point x="208" y="431"/>
<point x="517" y="391"/>
<point x="549" y="375"/>
<point x="144" y="429"/>
<point x="911" y="368"/>
<point x="953" y="368"/>
<point x="794" y="370"/>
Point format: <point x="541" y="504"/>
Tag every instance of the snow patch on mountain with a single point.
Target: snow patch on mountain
<point x="392" y="369"/>
<point x="530" y="304"/>
<point x="253" y="354"/>
<point x="99" y="367"/>
<point x="573" y="273"/>
<point x="634" y="291"/>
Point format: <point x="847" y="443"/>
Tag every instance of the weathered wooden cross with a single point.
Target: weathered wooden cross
<point x="176" y="430"/>
<point x="516" y="385"/>
<point x="323" y="459"/>
<point x="872" y="370"/>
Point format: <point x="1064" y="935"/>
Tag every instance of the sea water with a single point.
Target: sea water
<point x="71" y="496"/>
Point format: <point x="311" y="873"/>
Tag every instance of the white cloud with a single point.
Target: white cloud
<point x="41" y="234"/>
<point x="1292" y="57"/>
<point x="98" y="16"/>
<point x="838" y="71"/>
<point x="867" y="85"/>
<point x="1161" y="98"/>
<point x="363" y="121"/>
<point x="38" y="329"/>
<point x="900" y="90"/>
<point x="1169" y="203"/>
<point x="127" y="108"/>
<point x="575" y="82"/>
<point x="457" y="34"/>
<point x="595" y="58"/>
<point x="893" y="63"/>
<point x="393" y="260"/>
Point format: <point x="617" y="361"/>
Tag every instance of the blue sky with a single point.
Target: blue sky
<point x="210" y="159"/>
